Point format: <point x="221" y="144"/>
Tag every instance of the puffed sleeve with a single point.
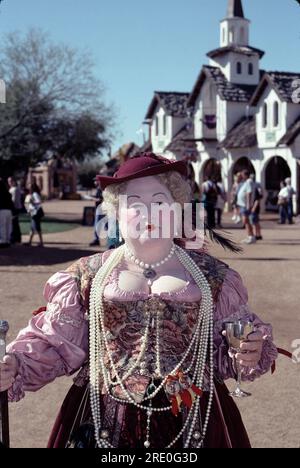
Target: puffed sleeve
<point x="233" y="304"/>
<point x="55" y="342"/>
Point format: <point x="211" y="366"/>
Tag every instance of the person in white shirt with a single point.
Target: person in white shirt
<point x="33" y="203"/>
<point x="16" y="196"/>
<point x="283" y="201"/>
<point x="233" y="197"/>
<point x="291" y="193"/>
<point x="245" y="201"/>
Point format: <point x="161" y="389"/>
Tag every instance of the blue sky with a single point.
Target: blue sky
<point x="140" y="46"/>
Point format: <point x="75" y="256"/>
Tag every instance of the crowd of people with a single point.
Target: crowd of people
<point x="245" y="200"/>
<point x="15" y="200"/>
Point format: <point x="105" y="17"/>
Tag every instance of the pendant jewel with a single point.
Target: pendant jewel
<point x="104" y="434"/>
<point x="149" y="273"/>
<point x="149" y="269"/>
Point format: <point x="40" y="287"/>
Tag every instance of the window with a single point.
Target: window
<point x="239" y="68"/>
<point x="164" y="124"/>
<point x="231" y="35"/>
<point x="223" y="35"/>
<point x="250" y="69"/>
<point x="157" y="126"/>
<point x="276" y="114"/>
<point x="265" y="116"/>
<point x="242" y="35"/>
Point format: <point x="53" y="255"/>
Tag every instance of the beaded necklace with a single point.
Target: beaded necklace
<point x="149" y="269"/>
<point x="201" y="347"/>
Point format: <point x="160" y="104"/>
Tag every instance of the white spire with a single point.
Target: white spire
<point x="235" y="9"/>
<point x="235" y="27"/>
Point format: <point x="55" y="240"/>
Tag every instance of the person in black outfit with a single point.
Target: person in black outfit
<point x="98" y="200"/>
<point x="210" y="198"/>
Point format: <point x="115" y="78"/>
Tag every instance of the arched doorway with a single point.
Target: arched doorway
<point x="211" y="170"/>
<point x="277" y="170"/>
<point x="240" y="165"/>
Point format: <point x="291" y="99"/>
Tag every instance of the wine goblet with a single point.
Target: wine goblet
<point x="236" y="332"/>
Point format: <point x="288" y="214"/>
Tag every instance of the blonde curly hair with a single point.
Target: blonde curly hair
<point x="179" y="188"/>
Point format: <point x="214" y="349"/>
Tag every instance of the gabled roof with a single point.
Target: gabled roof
<point x="174" y="103"/>
<point x="291" y="135"/>
<point x="281" y="82"/>
<point x="184" y="140"/>
<point x="239" y="49"/>
<point x="126" y="152"/>
<point x="242" y="135"/>
<point x="226" y="90"/>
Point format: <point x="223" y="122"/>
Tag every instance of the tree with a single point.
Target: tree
<point x="87" y="171"/>
<point x="54" y="103"/>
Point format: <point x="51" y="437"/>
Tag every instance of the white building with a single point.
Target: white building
<point x="237" y="115"/>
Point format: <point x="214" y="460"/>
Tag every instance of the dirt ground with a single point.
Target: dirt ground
<point x="271" y="271"/>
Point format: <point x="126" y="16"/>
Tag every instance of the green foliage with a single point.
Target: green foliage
<point x="54" y="103"/>
<point x="87" y="171"/>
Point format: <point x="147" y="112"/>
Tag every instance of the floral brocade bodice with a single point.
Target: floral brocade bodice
<point x="125" y="326"/>
<point x="127" y="316"/>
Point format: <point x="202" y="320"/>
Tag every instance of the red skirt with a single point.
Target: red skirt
<point x="126" y="424"/>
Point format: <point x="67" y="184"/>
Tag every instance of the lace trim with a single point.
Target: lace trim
<point x="113" y="282"/>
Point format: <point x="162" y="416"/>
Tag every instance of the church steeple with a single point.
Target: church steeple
<point x="238" y="61"/>
<point x="235" y="27"/>
<point x="235" y="9"/>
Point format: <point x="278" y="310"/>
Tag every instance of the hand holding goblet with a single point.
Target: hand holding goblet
<point x="244" y="352"/>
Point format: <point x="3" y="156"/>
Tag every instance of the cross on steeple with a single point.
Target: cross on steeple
<point x="235" y="9"/>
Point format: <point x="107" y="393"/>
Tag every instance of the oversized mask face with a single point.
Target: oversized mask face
<point x="148" y="212"/>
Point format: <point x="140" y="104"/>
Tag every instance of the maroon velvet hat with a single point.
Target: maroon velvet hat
<point x="143" y="165"/>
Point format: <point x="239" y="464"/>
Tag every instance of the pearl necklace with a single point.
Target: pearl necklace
<point x="149" y="268"/>
<point x="202" y="337"/>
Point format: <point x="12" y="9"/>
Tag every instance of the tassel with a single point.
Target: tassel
<point x="176" y="403"/>
<point x="187" y="399"/>
<point x="181" y="390"/>
<point x="197" y="390"/>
